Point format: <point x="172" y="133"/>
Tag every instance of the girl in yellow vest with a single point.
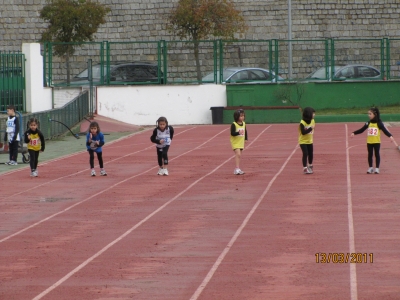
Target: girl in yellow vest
<point x="374" y="126"/>
<point x="306" y="132"/>
<point x="238" y="136"/>
<point x="35" y="140"/>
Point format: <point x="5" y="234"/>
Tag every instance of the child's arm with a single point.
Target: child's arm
<point x="305" y="131"/>
<point x="88" y="139"/>
<point x="16" y="122"/>
<point x="27" y="136"/>
<point x="361" y="130"/>
<point x="41" y="140"/>
<point x="233" y="130"/>
<point x="153" y="138"/>
<point x="382" y="127"/>
<point x="246" y="137"/>
<point x="101" y="141"/>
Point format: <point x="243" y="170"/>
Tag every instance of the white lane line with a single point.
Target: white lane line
<point x="86" y="262"/>
<point x="83" y="151"/>
<point x="95" y="195"/>
<point x="353" y="271"/>
<point x="73" y="174"/>
<point x="238" y="232"/>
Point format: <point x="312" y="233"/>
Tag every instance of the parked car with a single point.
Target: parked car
<point x="129" y="72"/>
<point x="348" y="72"/>
<point x="240" y="74"/>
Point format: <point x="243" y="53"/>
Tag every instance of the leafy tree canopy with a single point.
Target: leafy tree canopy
<point x="72" y="21"/>
<point x="200" y="19"/>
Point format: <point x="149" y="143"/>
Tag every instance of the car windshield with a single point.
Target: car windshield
<point x="320" y="73"/>
<point x="227" y="73"/>
<point x="95" y="72"/>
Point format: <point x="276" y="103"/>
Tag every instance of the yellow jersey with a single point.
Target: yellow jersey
<point x="237" y="141"/>
<point x="373" y="133"/>
<point x="306" y="138"/>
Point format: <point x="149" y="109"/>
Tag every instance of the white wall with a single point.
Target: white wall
<point x="38" y="98"/>
<point x="143" y="105"/>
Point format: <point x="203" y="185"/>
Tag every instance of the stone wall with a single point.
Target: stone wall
<point x="144" y="20"/>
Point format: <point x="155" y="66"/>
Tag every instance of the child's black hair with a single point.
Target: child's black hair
<point x="377" y="115"/>
<point x="308" y="113"/>
<point x="237" y="113"/>
<point x="11" y="107"/>
<point x="162" y="119"/>
<point x="33" y="120"/>
<point x="94" y="124"/>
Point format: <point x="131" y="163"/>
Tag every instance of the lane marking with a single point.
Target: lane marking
<point x="86" y="262"/>
<point x="353" y="271"/>
<point x="238" y="232"/>
<point x="80" y="152"/>
<point x="73" y="174"/>
<point x="95" y="195"/>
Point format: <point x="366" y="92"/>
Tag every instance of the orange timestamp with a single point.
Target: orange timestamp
<point x="344" y="258"/>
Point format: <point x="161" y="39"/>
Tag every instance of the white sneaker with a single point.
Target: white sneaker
<point x="376" y="170"/>
<point x="238" y="172"/>
<point x="7" y="163"/>
<point x="35" y="173"/>
<point x="160" y="171"/>
<point x="103" y="173"/>
<point x="370" y="171"/>
<point x="166" y="172"/>
<point x="12" y="163"/>
<point x="93" y="173"/>
<point x="32" y="173"/>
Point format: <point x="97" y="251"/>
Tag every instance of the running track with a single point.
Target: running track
<point x="203" y="233"/>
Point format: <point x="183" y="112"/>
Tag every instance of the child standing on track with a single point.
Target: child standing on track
<point x="238" y="136"/>
<point x="374" y="126"/>
<point x="35" y="140"/>
<point x="306" y="132"/>
<point x="94" y="143"/>
<point x="162" y="137"/>
<point x="12" y="135"/>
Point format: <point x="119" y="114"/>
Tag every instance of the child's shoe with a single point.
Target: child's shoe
<point x="238" y="172"/>
<point x="370" y="170"/>
<point x="376" y="170"/>
<point x="103" y="172"/>
<point x="13" y="163"/>
<point x="35" y="173"/>
<point x="93" y="173"/>
<point x="32" y="173"/>
<point x="306" y="170"/>
<point x="7" y="163"/>
<point x="160" y="171"/>
<point x="166" y="172"/>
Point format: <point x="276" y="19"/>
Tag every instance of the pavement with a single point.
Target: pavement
<point x="68" y="144"/>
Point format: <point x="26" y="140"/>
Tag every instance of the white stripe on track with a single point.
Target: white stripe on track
<point x="86" y="262"/>
<point x="95" y="195"/>
<point x="73" y="174"/>
<point x="83" y="151"/>
<point x="353" y="271"/>
<point x="221" y="257"/>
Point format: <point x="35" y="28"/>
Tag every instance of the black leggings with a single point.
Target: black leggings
<point x="13" y="150"/>
<point x="371" y="148"/>
<point x="99" y="157"/>
<point x="308" y="152"/>
<point x="33" y="158"/>
<point x="162" y="156"/>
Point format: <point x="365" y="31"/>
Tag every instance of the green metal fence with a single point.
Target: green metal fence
<point x="12" y="80"/>
<point x="70" y="114"/>
<point x="179" y="62"/>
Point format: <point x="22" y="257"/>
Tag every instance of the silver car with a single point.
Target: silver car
<point x="245" y="75"/>
<point x="348" y="72"/>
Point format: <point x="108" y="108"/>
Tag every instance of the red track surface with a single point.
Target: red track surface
<point x="202" y="232"/>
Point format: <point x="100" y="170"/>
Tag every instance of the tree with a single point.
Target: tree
<point x="201" y="19"/>
<point x="71" y="22"/>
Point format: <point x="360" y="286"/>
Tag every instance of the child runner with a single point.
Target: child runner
<point x="162" y="137"/>
<point x="238" y="136"/>
<point x="374" y="126"/>
<point x="35" y="140"/>
<point x="94" y="143"/>
<point x="306" y="132"/>
<point x="12" y="135"/>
